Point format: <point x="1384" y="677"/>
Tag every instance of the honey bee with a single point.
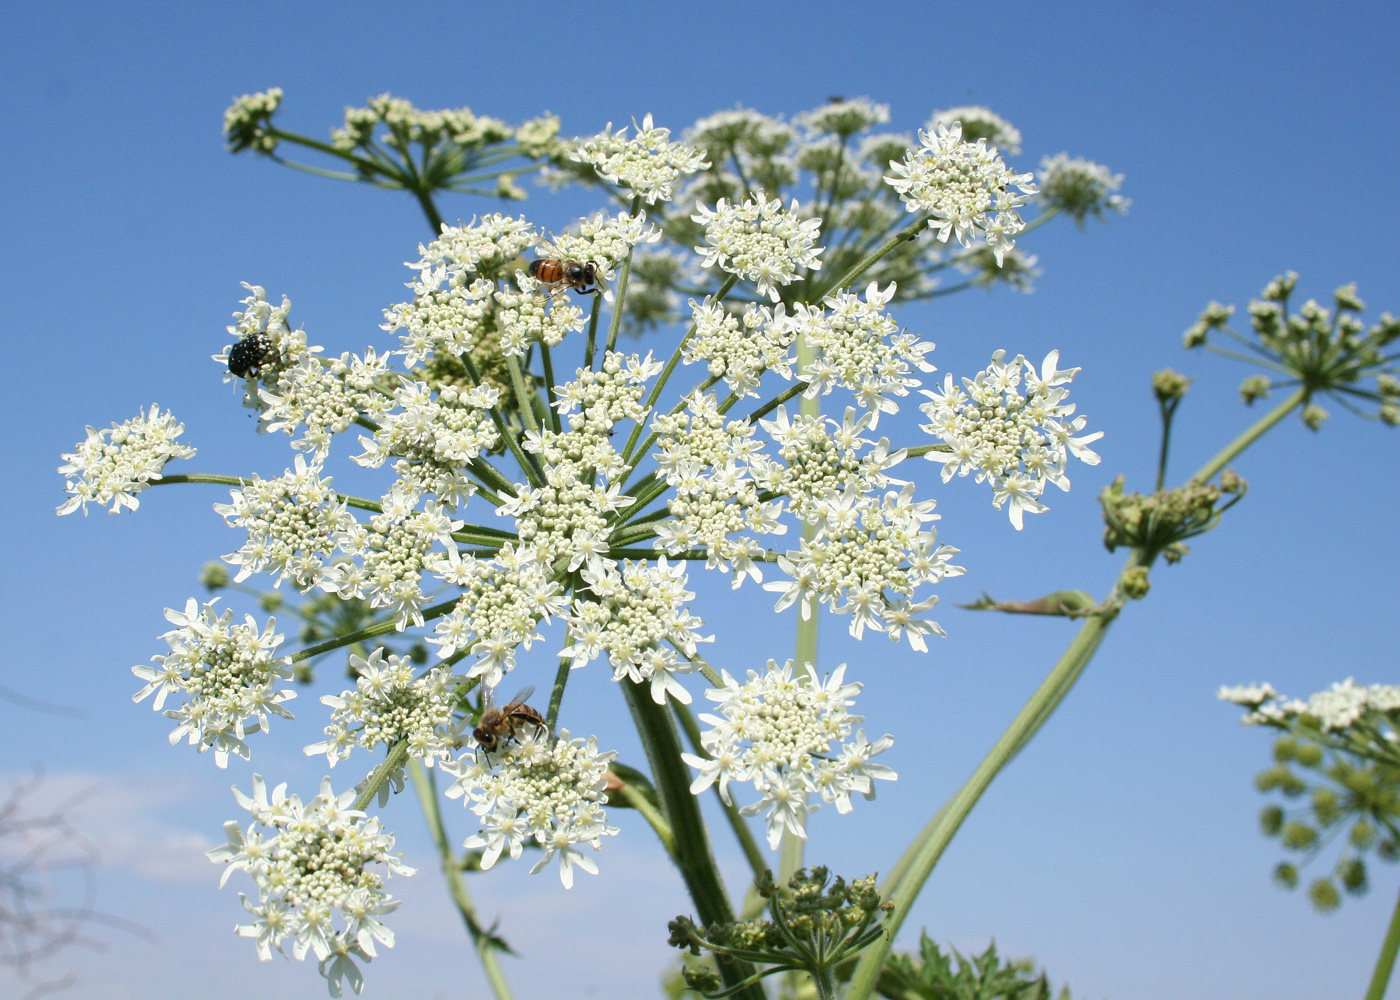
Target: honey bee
<point x="498" y="724"/>
<point x="557" y="271"/>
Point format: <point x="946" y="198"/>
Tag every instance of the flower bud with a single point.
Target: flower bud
<point x="1346" y="298"/>
<point x="214" y="575"/>
<point x="1254" y="387"/>
<point x="1313" y="416"/>
<point x="1324" y="895"/>
<point x="1134" y="583"/>
<point x="1271" y="820"/>
<point x="1286" y="875"/>
<point x="1352" y="872"/>
<point x="1281" y="287"/>
<point x="1168" y="385"/>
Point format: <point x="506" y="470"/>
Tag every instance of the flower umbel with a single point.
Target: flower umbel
<point x="537" y="788"/>
<point x="115" y="464"/>
<point x="311" y="865"/>
<point x="776" y="733"/>
<point x="228" y="674"/>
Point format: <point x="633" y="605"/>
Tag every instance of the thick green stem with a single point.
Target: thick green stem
<point x="825" y="980"/>
<point x="1380" y="979"/>
<point x="522" y="395"/>
<point x="928" y="847"/>
<point x="592" y="341"/>
<point x="1231" y="450"/>
<point x="386" y="767"/>
<point x="369" y="632"/>
<point x="621" y="294"/>
<point x="556" y="694"/>
<point x="692" y="855"/>
<point x="486" y="948"/>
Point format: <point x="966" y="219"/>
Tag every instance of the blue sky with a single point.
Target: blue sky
<point x="1120" y="850"/>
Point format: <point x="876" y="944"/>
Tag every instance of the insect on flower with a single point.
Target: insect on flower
<point x="557" y="271"/>
<point x="246" y="357"/>
<point x="497" y="724"/>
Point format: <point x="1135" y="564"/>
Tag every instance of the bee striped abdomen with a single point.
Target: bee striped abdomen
<point x="551" y="272"/>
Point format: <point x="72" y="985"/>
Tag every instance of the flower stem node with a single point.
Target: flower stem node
<point x="1134" y="583"/>
<point x="816" y="922"/>
<point x="1156" y="524"/>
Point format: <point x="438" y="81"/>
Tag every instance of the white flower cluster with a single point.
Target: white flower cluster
<point x="821" y="457"/>
<point x="247" y="121"/>
<point x="605" y="239"/>
<point x="310" y="863"/>
<point x="844" y="118"/>
<point x="394" y="552"/>
<point x="463" y="253"/>
<point x="1080" y="187"/>
<point x="228" y="674"/>
<point x="866" y="560"/>
<point x="541" y="789"/>
<point x="531" y="316"/>
<point x="1019" y="441"/>
<point x="568" y="516"/>
<point x="648" y="163"/>
<point x="979" y="123"/>
<point x="760" y="241"/>
<point x="441" y="320"/>
<point x="636" y="616"/>
<point x="1338" y="708"/>
<point x="294" y="523"/>
<point x="388" y="705"/>
<point x="707" y="462"/>
<point x="115" y="464"/>
<point x="294" y="387"/>
<point x="503" y="601"/>
<point x="858" y="347"/>
<point x="435" y="434"/>
<point x="966" y="188"/>
<point x="776" y="733"/>
<point x="740" y="348"/>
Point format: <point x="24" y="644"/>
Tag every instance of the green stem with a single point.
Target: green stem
<point x="486" y="947"/>
<point x="825" y="980"/>
<point x="1228" y="453"/>
<point x="909" y="232"/>
<point x="425" y="201"/>
<point x="928" y="847"/>
<point x="590" y="344"/>
<point x="386" y="767"/>
<point x="657" y="730"/>
<point x="198" y="477"/>
<point x="556" y="694"/>
<point x="621" y="295"/>
<point x="1380" y="979"/>
<point x="554" y="421"/>
<point x="652" y="815"/>
<point x="369" y="632"/>
<point x="522" y="396"/>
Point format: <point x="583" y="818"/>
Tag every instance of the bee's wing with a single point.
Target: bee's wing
<point x="488" y="698"/>
<point x="521" y="696"/>
<point x="545" y="248"/>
